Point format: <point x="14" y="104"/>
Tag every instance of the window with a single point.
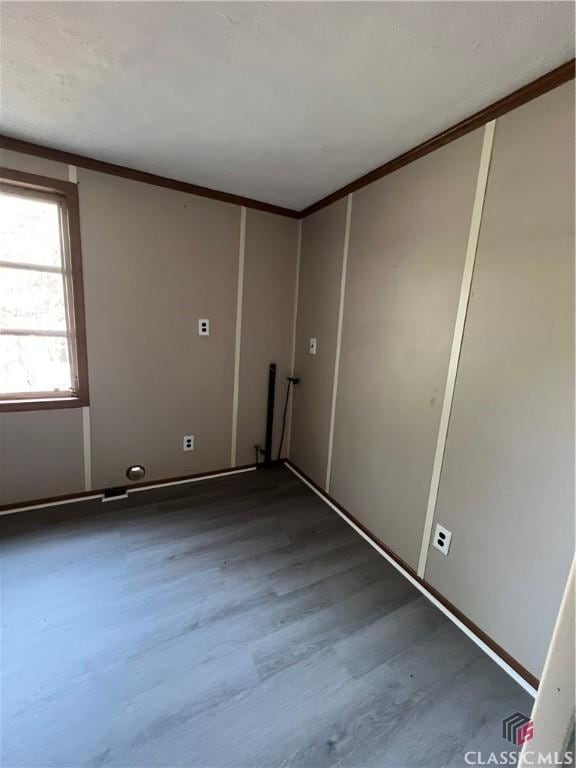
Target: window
<point x="42" y="332"/>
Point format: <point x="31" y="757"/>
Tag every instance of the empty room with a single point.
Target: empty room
<point x="287" y="395"/>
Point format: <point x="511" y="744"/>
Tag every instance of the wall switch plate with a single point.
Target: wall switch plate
<point x="312" y="344"/>
<point x="203" y="327"/>
<point x="442" y="537"/>
<point x="188" y="443"/>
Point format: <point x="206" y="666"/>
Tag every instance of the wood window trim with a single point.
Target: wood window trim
<point x="68" y="193"/>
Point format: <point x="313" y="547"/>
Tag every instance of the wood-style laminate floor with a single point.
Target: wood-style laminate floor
<point x="234" y="622"/>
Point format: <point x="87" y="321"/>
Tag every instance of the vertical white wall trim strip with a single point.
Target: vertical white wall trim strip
<point x="338" y="339"/>
<point x="239" y="299"/>
<point x="473" y="236"/>
<point x="73" y="174"/>
<point x="553" y="712"/>
<point x="87" y="449"/>
<point x="294" y="329"/>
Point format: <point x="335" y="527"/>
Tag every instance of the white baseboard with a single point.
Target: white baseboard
<point x="129" y="491"/>
<point x="428" y="595"/>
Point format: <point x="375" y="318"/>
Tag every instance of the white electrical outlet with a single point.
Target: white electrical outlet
<point x="203" y="327"/>
<point x="312" y="345"/>
<point x="188" y="443"/>
<point x="442" y="537"/>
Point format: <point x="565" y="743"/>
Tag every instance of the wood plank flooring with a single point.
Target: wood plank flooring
<point x="234" y="622"/>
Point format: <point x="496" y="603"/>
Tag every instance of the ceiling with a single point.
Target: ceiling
<point x="283" y="102"/>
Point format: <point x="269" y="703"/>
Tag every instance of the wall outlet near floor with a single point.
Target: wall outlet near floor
<point x="441" y="539"/>
<point x="312" y="345"/>
<point x="203" y="327"/>
<point x="188" y="443"/>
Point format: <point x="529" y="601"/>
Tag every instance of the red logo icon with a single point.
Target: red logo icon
<point x="517" y="729"/>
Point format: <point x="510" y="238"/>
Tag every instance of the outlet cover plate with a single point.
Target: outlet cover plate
<point x="442" y="538"/>
<point x="312" y="346"/>
<point x="204" y="327"/>
<point x="188" y="443"/>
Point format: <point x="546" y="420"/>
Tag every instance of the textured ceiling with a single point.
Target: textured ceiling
<point x="279" y="101"/>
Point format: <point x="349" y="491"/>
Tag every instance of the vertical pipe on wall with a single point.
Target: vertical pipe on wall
<point x="294" y="329"/>
<point x="239" y="299"/>
<point x="270" y="414"/>
<point x="469" y="262"/>
<point x="338" y="339"/>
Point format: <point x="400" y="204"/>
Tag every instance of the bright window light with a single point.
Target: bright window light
<point x="36" y="319"/>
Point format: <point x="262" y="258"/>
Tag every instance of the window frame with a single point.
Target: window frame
<point x="65" y="193"/>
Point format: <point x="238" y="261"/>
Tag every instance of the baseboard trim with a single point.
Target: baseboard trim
<point x="56" y="501"/>
<point x="513" y="668"/>
<point x="498" y="654"/>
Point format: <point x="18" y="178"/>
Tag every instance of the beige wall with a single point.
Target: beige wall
<point x="155" y="261"/>
<point x="507" y="479"/>
<point x="507" y="486"/>
<point x="318" y="300"/>
<point x="267" y="321"/>
<point x="41" y="454"/>
<point x="30" y="164"/>
<point x="406" y="256"/>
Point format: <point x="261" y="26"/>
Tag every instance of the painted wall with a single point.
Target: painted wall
<point x="506" y="489"/>
<point x="267" y="322"/>
<point x="507" y="485"/>
<point x="318" y="301"/>
<point x="405" y="261"/>
<point x="41" y="454"/>
<point x="155" y="261"/>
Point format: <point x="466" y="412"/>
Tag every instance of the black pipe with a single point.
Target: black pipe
<point x="270" y="414"/>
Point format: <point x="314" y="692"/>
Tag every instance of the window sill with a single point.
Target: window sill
<point x="42" y="404"/>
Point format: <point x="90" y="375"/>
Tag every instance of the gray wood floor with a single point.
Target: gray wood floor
<point x="235" y="622"/>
